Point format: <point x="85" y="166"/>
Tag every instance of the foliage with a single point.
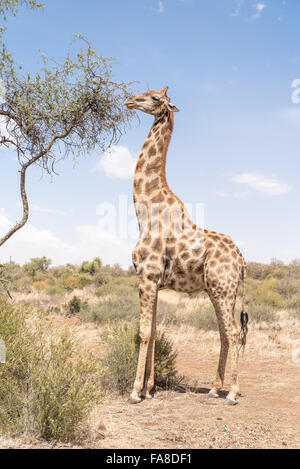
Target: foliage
<point x="268" y="288"/>
<point x="72" y="282"/>
<point x="106" y="285"/>
<point x="70" y="107"/>
<point x="76" y="103"/>
<point x="165" y="372"/>
<point x="12" y="6"/>
<point x="122" y="339"/>
<point x="266" y="292"/>
<point x="121" y="360"/>
<point x="124" y="304"/>
<point x="40" y="285"/>
<point x="74" y="305"/>
<point x="259" y="312"/>
<point x="91" y="267"/>
<point x="37" y="264"/>
<point x="203" y="318"/>
<point x="47" y="388"/>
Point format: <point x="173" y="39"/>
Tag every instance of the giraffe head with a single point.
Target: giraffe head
<point x="152" y="102"/>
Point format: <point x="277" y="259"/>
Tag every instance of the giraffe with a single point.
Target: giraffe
<point x="172" y="252"/>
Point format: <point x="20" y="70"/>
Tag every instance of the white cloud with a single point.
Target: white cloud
<point x="161" y="7"/>
<point x="88" y="241"/>
<point x="221" y="194"/>
<point x="238" y="7"/>
<point x="258" y="182"/>
<point x="259" y="7"/>
<point x="117" y="162"/>
<point x="30" y="242"/>
<point x="36" y="208"/>
<point x="241" y="194"/>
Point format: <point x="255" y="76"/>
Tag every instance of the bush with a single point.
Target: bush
<point x="91" y="267"/>
<point x="267" y="292"/>
<point x="47" y="388"/>
<point x="165" y="372"/>
<point x="72" y="282"/>
<point x="203" y="318"/>
<point x="64" y="389"/>
<point x="120" y="362"/>
<point x="123" y="305"/>
<point x="37" y="264"/>
<point x="56" y="290"/>
<point x="168" y="313"/>
<point x="106" y="287"/>
<point x="74" y="306"/>
<point x="40" y="285"/>
<point x="293" y="302"/>
<point x="259" y="312"/>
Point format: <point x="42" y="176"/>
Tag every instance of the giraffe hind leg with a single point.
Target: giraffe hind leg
<point x="229" y="342"/>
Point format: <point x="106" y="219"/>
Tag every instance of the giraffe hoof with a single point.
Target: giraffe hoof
<point x="134" y="400"/>
<point x="212" y="395"/>
<point x="148" y="396"/>
<point x="230" y="402"/>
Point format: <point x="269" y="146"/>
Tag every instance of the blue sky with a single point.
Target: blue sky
<point x="230" y="66"/>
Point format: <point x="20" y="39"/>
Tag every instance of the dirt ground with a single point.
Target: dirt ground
<point x="267" y="414"/>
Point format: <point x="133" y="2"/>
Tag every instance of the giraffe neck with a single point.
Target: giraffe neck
<point x="151" y="193"/>
<point x="150" y="183"/>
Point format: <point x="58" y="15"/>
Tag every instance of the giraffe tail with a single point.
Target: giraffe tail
<point x="244" y="314"/>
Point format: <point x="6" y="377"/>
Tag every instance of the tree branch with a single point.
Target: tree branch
<point x="24" y="219"/>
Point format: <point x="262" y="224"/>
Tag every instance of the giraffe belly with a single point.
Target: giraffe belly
<point x="187" y="282"/>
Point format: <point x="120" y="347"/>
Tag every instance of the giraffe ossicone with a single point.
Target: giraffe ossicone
<point x="172" y="252"/>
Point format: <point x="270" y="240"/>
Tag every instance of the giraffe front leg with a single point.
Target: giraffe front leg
<point x="149" y="375"/>
<point x="148" y="298"/>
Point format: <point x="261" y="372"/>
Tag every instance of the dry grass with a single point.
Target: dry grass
<point x="267" y="415"/>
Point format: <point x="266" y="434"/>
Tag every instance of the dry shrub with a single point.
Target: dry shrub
<point x="203" y="318"/>
<point x="169" y="313"/>
<point x="124" y="305"/>
<point x="47" y="388"/>
<point x="106" y="288"/>
<point x="120" y="362"/>
<point x="261" y="312"/>
<point x="39" y="285"/>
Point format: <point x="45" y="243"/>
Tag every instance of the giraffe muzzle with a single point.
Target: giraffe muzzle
<point x="129" y="103"/>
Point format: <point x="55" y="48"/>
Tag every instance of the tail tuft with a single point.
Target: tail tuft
<point x="244" y="316"/>
<point x="244" y="328"/>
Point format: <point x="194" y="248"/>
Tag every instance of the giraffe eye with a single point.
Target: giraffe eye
<point x="155" y="98"/>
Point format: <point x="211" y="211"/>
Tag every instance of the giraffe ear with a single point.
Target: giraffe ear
<point x="164" y="90"/>
<point x="172" y="107"/>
